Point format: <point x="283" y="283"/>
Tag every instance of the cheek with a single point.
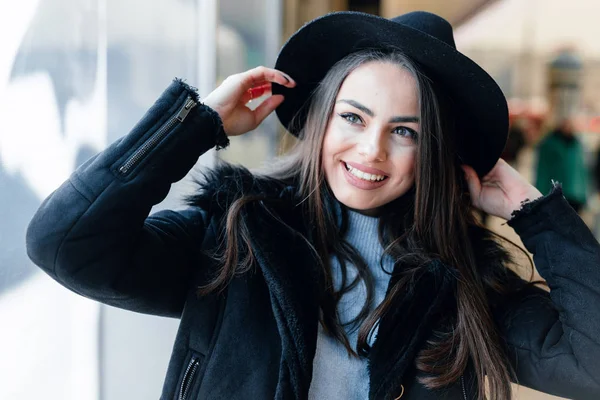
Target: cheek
<point x="335" y="143"/>
<point x="405" y="162"/>
<point x="328" y="152"/>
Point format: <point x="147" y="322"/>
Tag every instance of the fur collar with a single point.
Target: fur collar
<point x="290" y="269"/>
<point x="219" y="187"/>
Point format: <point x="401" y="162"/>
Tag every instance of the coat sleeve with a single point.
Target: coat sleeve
<point x="93" y="234"/>
<point x="553" y="338"/>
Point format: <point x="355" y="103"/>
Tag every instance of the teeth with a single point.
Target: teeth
<point x="363" y="175"/>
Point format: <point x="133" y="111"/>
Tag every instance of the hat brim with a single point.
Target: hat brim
<point x="480" y="108"/>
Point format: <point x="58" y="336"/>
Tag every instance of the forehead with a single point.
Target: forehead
<point x="380" y="82"/>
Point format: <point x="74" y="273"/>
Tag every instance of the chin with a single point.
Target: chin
<point x="361" y="206"/>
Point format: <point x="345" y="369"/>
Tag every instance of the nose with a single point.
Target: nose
<point x="373" y="147"/>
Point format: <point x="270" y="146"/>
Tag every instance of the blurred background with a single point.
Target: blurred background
<point x="77" y="74"/>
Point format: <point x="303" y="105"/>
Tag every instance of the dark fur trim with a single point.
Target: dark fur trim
<point x="221" y="186"/>
<point x="404" y="331"/>
<point x="293" y="277"/>
<point x="221" y="140"/>
<point x="192" y="91"/>
<point x="528" y="206"/>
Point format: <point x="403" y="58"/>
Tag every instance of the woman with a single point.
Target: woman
<point x="354" y="268"/>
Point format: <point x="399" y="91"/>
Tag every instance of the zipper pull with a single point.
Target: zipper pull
<point x="185" y="110"/>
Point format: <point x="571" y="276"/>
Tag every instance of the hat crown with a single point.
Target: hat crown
<point x="428" y="23"/>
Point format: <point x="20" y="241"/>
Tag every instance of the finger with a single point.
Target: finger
<point x="256" y="92"/>
<point x="502" y="176"/>
<point x="264" y="74"/>
<point x="260" y="90"/>
<point x="473" y="182"/>
<point x="267" y="107"/>
<point x="505" y="170"/>
<point x="501" y="170"/>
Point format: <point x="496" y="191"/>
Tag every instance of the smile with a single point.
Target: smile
<point x="364" y="175"/>
<point x="361" y="179"/>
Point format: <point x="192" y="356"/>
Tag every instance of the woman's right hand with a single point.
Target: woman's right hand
<point x="230" y="99"/>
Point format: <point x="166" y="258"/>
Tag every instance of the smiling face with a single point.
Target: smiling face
<point x="369" y="148"/>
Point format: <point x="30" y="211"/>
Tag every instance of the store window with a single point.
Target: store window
<point x="75" y="75"/>
<point x="249" y="35"/>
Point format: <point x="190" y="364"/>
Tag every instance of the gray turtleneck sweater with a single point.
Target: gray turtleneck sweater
<point x="336" y="375"/>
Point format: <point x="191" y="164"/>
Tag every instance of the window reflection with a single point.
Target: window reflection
<point x="76" y="75"/>
<point x="248" y="36"/>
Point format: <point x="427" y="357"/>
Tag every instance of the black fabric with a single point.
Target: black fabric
<point x="405" y="330"/>
<point x="479" y="104"/>
<point x="566" y="324"/>
<point x="257" y="338"/>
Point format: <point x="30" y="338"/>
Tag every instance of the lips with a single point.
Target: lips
<point x="362" y="179"/>
<point x="364" y="168"/>
<point x="370" y="175"/>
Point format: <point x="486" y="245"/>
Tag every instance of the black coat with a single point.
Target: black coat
<point x="257" y="340"/>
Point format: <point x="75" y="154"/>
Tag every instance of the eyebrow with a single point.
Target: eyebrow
<point x="370" y="113"/>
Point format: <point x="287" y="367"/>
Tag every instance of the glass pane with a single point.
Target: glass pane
<point x="76" y="75"/>
<point x="248" y="36"/>
<point x="53" y="116"/>
<point x="147" y="47"/>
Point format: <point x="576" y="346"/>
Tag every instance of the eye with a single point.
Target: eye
<point x="351" y="118"/>
<point x="405" y="132"/>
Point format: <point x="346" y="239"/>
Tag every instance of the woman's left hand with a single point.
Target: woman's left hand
<point x="501" y="191"/>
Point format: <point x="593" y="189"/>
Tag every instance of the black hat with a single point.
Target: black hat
<point x="480" y="107"/>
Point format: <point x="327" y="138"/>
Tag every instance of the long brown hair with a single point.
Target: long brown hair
<point x="436" y="222"/>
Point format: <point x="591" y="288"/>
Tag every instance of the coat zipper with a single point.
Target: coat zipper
<point x="462" y="383"/>
<point x="139" y="154"/>
<point x="188" y="378"/>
